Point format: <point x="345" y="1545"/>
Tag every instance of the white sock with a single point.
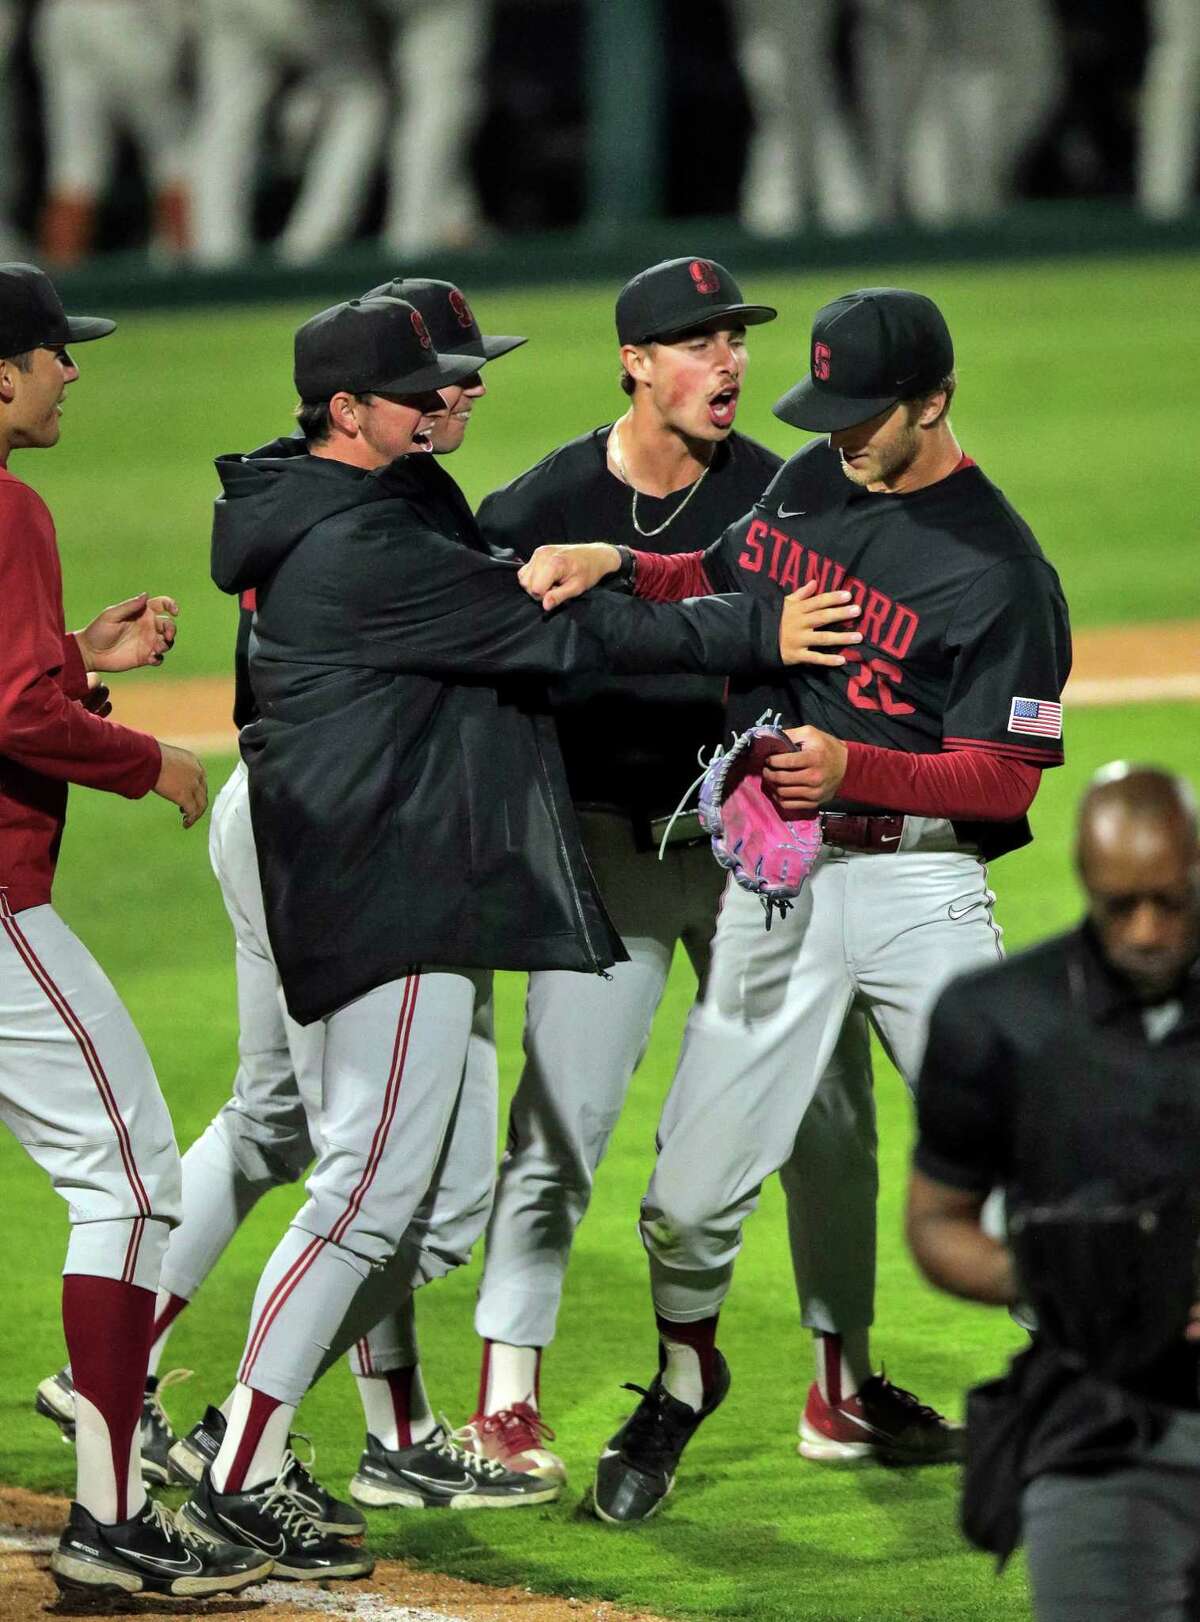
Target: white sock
<point x="268" y="1453"/>
<point x="681" y="1373"/>
<point x="512" y="1376"/>
<point x="96" y="1480"/>
<point x="396" y="1407"/>
<point x="843" y="1362"/>
<point x="161" y="1302"/>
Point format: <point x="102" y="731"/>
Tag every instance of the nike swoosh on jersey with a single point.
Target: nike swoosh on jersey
<point x="793" y="512"/>
<point x="465" y="1483"/>
<point x="889" y="839"/>
<point x="187" y="1567"/>
<point x="956" y="913"/>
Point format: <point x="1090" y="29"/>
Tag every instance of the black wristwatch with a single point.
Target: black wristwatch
<point x="625" y="578"/>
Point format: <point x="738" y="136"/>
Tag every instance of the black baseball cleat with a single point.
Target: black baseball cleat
<point x="192" y="1454"/>
<point x="636" y="1471"/>
<point x="149" y="1554"/>
<point x="56" y="1400"/>
<point x="269" y="1518"/>
<point x="439" y="1473"/>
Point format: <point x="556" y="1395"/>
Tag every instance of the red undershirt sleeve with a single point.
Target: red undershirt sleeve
<point x="969" y="785"/>
<point x="659" y="579"/>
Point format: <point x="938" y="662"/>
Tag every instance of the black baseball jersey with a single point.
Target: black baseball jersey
<point x="966" y="641"/>
<point x="629" y="743"/>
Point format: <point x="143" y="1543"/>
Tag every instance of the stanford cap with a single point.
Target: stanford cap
<point x="376" y="345"/>
<point x="450" y="319"/>
<point x="870" y="350"/>
<point x="679" y="294"/>
<point x="32" y="316"/>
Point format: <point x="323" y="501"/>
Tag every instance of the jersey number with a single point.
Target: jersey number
<point x="882" y="676"/>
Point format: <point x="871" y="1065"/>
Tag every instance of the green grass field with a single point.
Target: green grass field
<point x="1071" y="397"/>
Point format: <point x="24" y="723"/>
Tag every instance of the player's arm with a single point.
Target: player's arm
<point x="959" y="1154"/>
<point x="1010" y="637"/>
<point x="434" y="607"/>
<point x="41" y="726"/>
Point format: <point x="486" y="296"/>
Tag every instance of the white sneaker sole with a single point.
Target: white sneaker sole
<point x="825" y="1450"/>
<point x="377" y="1496"/>
<point x="72" y="1573"/>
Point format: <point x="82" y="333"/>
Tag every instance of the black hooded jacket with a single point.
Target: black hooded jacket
<point x="408" y="798"/>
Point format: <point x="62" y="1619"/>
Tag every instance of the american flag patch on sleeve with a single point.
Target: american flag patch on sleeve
<point x="1035" y="715"/>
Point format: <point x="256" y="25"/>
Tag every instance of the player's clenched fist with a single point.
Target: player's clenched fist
<point x="182" y="781"/>
<point x="809" y="778"/>
<point x="809" y="627"/>
<point x="555" y="574"/>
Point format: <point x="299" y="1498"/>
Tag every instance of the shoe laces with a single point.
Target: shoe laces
<point x="162" y="1520"/>
<point x="456" y="1446"/>
<point x="652" y="1432"/>
<point x="288" y="1513"/>
<point x="297" y="1472"/>
<point x="516" y="1429"/>
<point x="152" y="1404"/>
<point x="915" y="1412"/>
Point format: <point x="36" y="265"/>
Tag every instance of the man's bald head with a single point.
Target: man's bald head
<point x="1139" y="861"/>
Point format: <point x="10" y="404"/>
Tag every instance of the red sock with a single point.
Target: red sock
<point x="164" y="1320"/>
<point x="701" y="1336"/>
<point x="107" y="1327"/>
<point x="261" y="1409"/>
<point x="400" y="1385"/>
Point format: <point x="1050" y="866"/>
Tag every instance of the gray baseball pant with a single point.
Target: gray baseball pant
<point x="883" y="930"/>
<point x="262" y="1137"/>
<point x="393" y="1073"/>
<point x="584" y="1036"/>
<point x="78" y="1092"/>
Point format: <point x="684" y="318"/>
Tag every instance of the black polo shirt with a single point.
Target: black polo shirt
<point x="1045" y="1076"/>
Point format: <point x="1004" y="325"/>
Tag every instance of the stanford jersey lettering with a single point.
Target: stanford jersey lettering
<point x="889" y="625"/>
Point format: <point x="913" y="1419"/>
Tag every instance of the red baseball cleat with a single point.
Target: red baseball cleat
<point x="515" y="1437"/>
<point x="880" y="1421"/>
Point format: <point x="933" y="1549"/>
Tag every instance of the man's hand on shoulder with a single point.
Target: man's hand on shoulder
<point x="809" y="778"/>
<point x="139" y="631"/>
<point x="555" y="574"/>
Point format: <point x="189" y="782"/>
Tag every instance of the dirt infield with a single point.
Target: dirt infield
<point x="29" y="1528"/>
<point x="1138" y="665"/>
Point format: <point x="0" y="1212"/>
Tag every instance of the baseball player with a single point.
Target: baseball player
<point x="76" y="1084"/>
<point x="924" y="753"/>
<point x="382" y="628"/>
<point x="671" y="473"/>
<point x="262" y="1138"/>
<point x="245" y="50"/>
<point x="108" y="66"/>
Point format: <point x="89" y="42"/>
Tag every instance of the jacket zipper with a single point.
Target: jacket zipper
<point x="597" y="967"/>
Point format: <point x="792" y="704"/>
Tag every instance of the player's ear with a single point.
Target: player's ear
<point x="635" y="358"/>
<point x="933" y="409"/>
<point x="343" y="412"/>
<point x="8" y="382"/>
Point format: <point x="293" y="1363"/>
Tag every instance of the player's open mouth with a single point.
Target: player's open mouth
<point x="722" y="408"/>
<point x="421" y="440"/>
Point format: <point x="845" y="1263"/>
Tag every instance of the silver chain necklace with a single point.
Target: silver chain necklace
<point x="614" y="451"/>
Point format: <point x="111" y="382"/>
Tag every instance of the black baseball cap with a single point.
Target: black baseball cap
<point x="680" y="294"/>
<point x="32" y="316"/>
<point x="870" y="350"/>
<point x="450" y="319"/>
<point x="374" y="345"/>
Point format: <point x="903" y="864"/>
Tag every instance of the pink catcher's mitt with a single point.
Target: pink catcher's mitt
<point x="767" y="855"/>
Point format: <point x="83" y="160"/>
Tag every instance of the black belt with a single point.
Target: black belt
<point x="861" y="833"/>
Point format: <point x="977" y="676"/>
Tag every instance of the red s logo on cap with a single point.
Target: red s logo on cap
<point x="704" y="276"/>
<point x="421" y="330"/>
<point x="821" y="359"/>
<point x="462" y="310"/>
